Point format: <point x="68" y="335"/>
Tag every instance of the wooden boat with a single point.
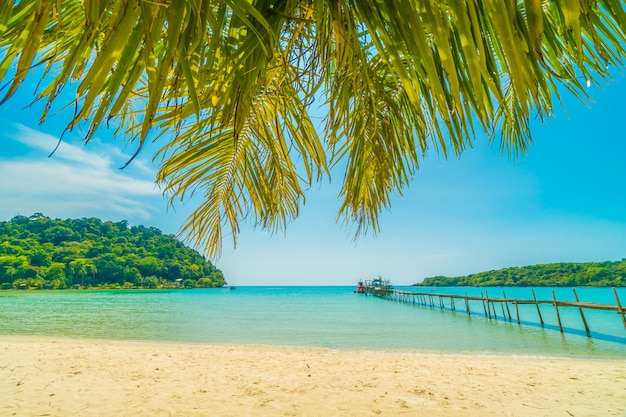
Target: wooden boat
<point x="360" y="289"/>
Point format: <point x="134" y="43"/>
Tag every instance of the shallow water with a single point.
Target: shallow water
<point x="332" y="317"/>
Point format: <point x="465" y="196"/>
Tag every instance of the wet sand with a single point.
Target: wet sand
<point x="47" y="377"/>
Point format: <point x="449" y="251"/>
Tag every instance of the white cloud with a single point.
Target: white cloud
<point x="76" y="181"/>
<point x="47" y="145"/>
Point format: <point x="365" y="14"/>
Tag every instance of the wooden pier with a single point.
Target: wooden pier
<point x="491" y="305"/>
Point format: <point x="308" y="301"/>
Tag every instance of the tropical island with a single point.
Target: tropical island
<point x="564" y="274"/>
<point x="40" y="252"/>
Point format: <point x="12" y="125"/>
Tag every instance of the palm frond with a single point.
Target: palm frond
<point x="234" y="84"/>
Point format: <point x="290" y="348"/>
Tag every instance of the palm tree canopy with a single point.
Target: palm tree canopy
<point x="234" y="84"/>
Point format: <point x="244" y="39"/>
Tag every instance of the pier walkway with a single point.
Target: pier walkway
<point x="491" y="305"/>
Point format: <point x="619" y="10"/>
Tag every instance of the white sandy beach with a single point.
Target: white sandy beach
<point x="43" y="377"/>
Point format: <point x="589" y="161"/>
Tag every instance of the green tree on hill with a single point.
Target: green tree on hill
<point x="590" y="274"/>
<point x="102" y="254"/>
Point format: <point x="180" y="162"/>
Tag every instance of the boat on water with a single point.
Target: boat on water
<point x="360" y="289"/>
<point x="375" y="286"/>
<point x="380" y="284"/>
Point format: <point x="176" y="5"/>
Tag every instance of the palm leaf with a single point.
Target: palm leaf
<point x="233" y="86"/>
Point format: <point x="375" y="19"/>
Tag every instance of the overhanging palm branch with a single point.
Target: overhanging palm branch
<point x="233" y="84"/>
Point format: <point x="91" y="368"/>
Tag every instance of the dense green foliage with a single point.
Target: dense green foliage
<point x="590" y="274"/>
<point x="234" y="89"/>
<point x="40" y="252"/>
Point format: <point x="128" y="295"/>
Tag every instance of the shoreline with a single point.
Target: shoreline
<point x="59" y="377"/>
<point x="422" y="353"/>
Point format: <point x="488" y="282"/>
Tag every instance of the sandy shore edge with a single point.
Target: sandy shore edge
<point x="59" y="377"/>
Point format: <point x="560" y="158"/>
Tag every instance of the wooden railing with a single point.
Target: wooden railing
<point x="449" y="301"/>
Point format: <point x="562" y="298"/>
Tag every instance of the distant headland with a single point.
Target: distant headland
<point x="565" y="274"/>
<point x="40" y="252"/>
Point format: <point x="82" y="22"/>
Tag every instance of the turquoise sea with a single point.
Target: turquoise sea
<point x="329" y="317"/>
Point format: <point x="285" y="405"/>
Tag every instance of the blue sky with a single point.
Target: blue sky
<point x="563" y="202"/>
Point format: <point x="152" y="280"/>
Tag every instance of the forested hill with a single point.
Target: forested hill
<point x="590" y="274"/>
<point x="40" y="252"/>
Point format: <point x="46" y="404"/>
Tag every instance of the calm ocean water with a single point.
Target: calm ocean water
<point x="332" y="317"/>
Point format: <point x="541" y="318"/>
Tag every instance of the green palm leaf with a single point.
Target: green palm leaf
<point x="233" y="85"/>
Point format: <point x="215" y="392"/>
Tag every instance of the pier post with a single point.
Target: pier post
<point x="581" y="312"/>
<point x="537" y="304"/>
<point x="488" y="306"/>
<point x="556" y="308"/>
<point x="485" y="308"/>
<point x="467" y="305"/>
<point x="517" y="312"/>
<point x="619" y="305"/>
<point x="507" y="305"/>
